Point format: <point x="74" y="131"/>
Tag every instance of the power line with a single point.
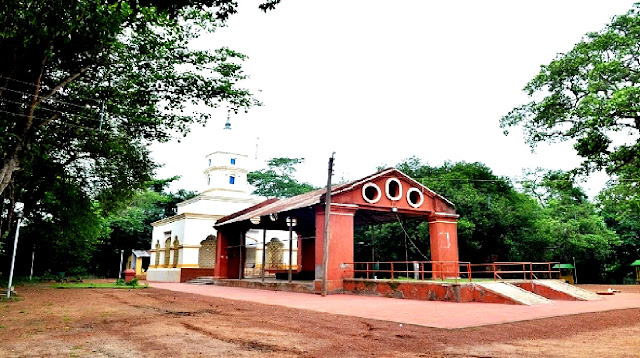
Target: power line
<point x="47" y="109"/>
<point x="19" y="81"/>
<point x="95" y="130"/>
<point x="48" y="99"/>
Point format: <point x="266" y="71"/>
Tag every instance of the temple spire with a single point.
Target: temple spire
<point x="228" y="124"/>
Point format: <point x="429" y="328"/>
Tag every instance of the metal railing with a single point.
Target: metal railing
<point x="270" y="270"/>
<point x="450" y="270"/>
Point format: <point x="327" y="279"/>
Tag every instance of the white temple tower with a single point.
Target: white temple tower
<point x="183" y="245"/>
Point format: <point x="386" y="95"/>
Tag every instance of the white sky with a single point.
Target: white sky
<point x="379" y="81"/>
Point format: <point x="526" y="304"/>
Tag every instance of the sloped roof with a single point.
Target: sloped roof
<point x="311" y="198"/>
<point x="141" y="253"/>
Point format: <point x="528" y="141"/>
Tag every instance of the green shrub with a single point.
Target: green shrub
<point x="133" y="282"/>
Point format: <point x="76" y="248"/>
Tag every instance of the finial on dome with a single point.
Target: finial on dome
<point x="228" y="124"/>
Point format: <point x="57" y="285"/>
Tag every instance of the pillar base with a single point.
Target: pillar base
<point x="333" y="286"/>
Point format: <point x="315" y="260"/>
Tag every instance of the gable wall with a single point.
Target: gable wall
<point x="430" y="204"/>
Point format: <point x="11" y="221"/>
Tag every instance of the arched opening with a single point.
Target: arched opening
<point x="207" y="252"/>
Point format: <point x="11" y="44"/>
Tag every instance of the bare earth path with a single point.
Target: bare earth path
<point x="49" y="322"/>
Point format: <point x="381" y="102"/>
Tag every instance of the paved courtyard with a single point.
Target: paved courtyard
<point x="403" y="311"/>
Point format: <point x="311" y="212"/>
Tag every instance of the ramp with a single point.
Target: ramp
<point x="573" y="291"/>
<point x="513" y="293"/>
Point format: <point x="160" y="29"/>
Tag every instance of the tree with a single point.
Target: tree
<point x="277" y="180"/>
<point x="64" y="229"/>
<point x="91" y="92"/>
<point x="82" y="98"/>
<point x="493" y="215"/>
<point x="570" y="226"/>
<point x="130" y="226"/>
<point x="619" y="206"/>
<point x="591" y="95"/>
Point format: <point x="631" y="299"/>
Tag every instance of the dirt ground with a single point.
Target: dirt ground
<point x="48" y="322"/>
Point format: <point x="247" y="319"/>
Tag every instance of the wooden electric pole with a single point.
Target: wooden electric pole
<point x="327" y="214"/>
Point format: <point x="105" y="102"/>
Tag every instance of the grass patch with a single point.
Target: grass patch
<point x="96" y="285"/>
<point x="13" y="298"/>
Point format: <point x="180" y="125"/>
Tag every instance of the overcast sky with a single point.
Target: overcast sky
<point x="380" y="81"/>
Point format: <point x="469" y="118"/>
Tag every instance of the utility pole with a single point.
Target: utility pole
<point x="264" y="250"/>
<point x="101" y="116"/>
<point x="327" y="214"/>
<point x="120" y="268"/>
<point x="13" y="257"/>
<point x="33" y="256"/>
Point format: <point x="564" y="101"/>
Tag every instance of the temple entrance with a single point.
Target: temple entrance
<point x="388" y="196"/>
<point x="207" y="252"/>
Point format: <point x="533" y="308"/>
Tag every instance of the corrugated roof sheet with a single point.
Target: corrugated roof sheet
<point x="141" y="253"/>
<point x="311" y="198"/>
<point x="563" y="266"/>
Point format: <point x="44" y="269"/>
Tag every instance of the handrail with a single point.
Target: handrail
<point x="449" y="270"/>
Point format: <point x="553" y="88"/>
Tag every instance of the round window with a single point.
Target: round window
<point x="415" y="197"/>
<point x="394" y="189"/>
<point x="371" y="193"/>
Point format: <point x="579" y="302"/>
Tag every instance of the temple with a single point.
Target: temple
<point x="184" y="246"/>
<point x="225" y="233"/>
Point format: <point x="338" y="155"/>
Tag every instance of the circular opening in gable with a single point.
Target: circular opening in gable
<point x="371" y="193"/>
<point x="415" y="197"/>
<point x="394" y="189"/>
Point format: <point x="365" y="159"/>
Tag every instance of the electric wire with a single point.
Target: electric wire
<point x="410" y="239"/>
<point x="47" y="99"/>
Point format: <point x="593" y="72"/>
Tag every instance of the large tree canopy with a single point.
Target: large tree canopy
<point x="620" y="209"/>
<point x="277" y="181"/>
<point x="591" y="95"/>
<point x="88" y="84"/>
<point x="493" y="215"/>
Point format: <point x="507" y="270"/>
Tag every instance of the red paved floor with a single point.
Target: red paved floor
<point x="423" y="313"/>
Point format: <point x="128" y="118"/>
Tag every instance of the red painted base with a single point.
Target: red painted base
<point x="187" y="274"/>
<point x="428" y="291"/>
<point x="333" y="286"/>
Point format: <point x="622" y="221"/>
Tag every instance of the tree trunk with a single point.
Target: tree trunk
<point x="10" y="166"/>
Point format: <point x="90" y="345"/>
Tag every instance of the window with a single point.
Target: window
<point x="232" y="179"/>
<point x="233" y="161"/>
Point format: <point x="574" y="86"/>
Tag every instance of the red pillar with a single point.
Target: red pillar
<point x="340" y="245"/>
<point x="222" y="260"/>
<point x="443" y="231"/>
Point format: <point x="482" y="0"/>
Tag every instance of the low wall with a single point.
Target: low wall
<point x="420" y="290"/>
<point x="163" y="275"/>
<point x="189" y="273"/>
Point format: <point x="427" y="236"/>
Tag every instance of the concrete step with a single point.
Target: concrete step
<point x="561" y="286"/>
<point x="514" y="293"/>
<point x="203" y="280"/>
